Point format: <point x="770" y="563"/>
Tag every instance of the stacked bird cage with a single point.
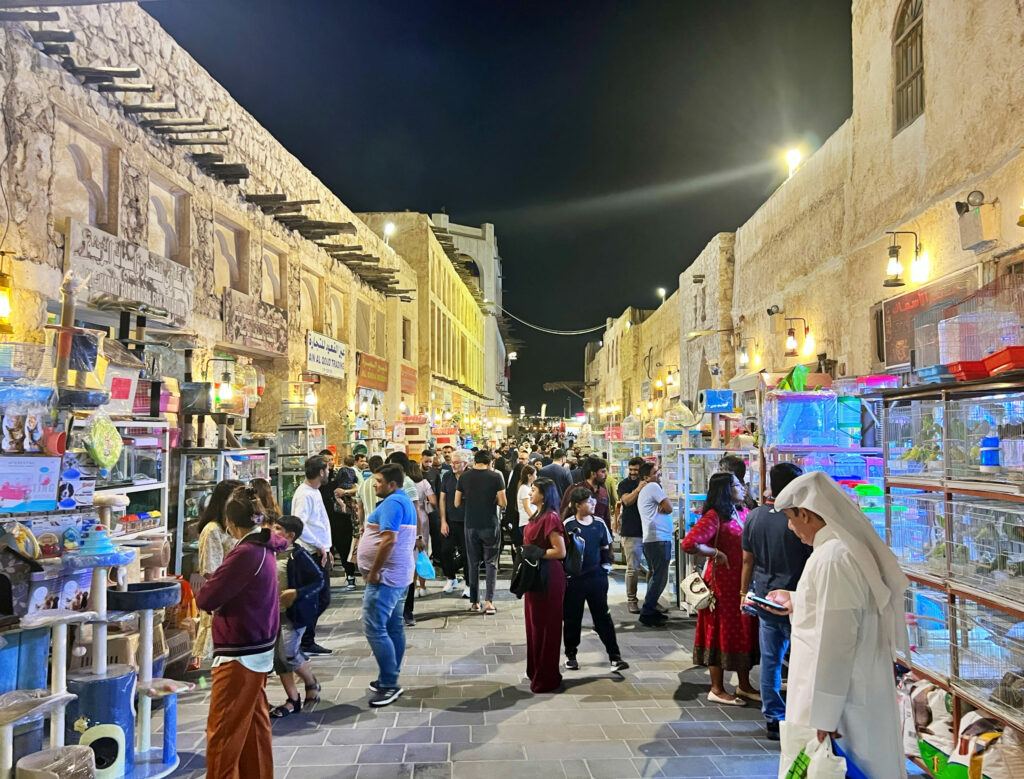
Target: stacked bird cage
<point x="983" y="325"/>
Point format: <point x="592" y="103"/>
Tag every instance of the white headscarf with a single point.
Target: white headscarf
<point x="818" y="493"/>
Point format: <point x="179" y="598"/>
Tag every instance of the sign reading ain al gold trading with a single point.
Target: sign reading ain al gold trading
<point x="372" y="373"/>
<point x="324" y="355"/>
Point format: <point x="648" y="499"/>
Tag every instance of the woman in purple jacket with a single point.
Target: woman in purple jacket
<point x="242" y="594"/>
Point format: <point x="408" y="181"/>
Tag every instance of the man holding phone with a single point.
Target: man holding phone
<point x="774" y="558"/>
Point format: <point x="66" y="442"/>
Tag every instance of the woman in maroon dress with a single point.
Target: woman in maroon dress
<point x="544" y="609"/>
<point x="726" y="638"/>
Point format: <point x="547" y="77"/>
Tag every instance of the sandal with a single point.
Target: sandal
<point x="490" y="610"/>
<point x="475" y="608"/>
<point x="282" y="711"/>
<point x="315" y="690"/>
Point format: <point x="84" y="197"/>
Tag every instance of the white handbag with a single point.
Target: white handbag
<point x="696" y="593"/>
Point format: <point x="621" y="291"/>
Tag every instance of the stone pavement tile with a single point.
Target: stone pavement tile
<point x="686" y="747"/>
<point x="612" y="769"/>
<point x="432" y="771"/>
<point x="384" y="771"/>
<point x="708" y="714"/>
<point x="676" y="767"/>
<point x="342" y="736"/>
<point x="578" y="750"/>
<point x="746" y="766"/>
<point x="449" y="734"/>
<point x="324" y="772"/>
<point x="408" y="719"/>
<point x="545" y="769"/>
<point x="297" y="738"/>
<point x="651" y="748"/>
<point x="506" y="752"/>
<point x="632" y="716"/>
<point x="382" y="753"/>
<point x="640" y="730"/>
<point x="575" y="769"/>
<point x="740" y="746"/>
<point x="426" y="753"/>
<point x="447" y="717"/>
<point x="282" y="755"/>
<point x="592" y="717"/>
<point x="751" y="711"/>
<point x="745" y="728"/>
<point x="417" y="735"/>
<point x="329" y="755"/>
<point x="699" y="729"/>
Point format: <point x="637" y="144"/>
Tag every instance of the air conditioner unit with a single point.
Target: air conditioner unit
<point x="979" y="227"/>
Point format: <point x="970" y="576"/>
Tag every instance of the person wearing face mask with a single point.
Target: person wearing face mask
<point x="590" y="587"/>
<point x="726" y="638"/>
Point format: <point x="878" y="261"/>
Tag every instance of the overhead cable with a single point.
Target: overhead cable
<point x="549" y="330"/>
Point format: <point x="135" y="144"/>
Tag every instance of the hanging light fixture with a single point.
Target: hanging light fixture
<point x="894" y="268"/>
<point x="310" y="397"/>
<point x="5" y="303"/>
<point x="791" y="344"/>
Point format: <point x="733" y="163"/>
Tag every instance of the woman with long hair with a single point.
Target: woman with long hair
<point x="266" y="495"/>
<point x="524" y="506"/>
<point x="544" y="609"/>
<point x="243" y="595"/>
<point x="214" y="545"/>
<point x="424" y="497"/>
<point x="726" y="638"/>
<point x="590" y="587"/>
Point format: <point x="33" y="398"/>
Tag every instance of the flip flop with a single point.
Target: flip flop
<point x="475" y="608"/>
<point x="490" y="610"/>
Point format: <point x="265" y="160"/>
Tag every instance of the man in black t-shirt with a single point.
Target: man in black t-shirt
<point x="557" y="472"/>
<point x="630" y="530"/>
<point x="453" y="525"/>
<point x="482" y="492"/>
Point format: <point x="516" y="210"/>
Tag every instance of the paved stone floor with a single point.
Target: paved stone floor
<point x="467" y="711"/>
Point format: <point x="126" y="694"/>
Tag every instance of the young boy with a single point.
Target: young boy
<point x="300" y="580"/>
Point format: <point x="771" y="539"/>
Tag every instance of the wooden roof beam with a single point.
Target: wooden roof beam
<point x="150" y="108"/>
<point x="29" y="16"/>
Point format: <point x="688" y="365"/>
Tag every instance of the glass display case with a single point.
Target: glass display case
<point x="199" y="472"/>
<point x="295" y="443"/>
<point x="807" y="418"/>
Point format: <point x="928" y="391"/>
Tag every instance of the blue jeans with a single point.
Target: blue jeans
<point x="382" y="624"/>
<point x="658" y="554"/>
<point x="774" y="638"/>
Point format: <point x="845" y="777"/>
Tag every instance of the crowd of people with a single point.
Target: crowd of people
<point x="267" y="580"/>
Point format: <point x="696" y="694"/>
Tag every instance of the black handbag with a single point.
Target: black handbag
<point x="529" y="577"/>
<point x="575" y="545"/>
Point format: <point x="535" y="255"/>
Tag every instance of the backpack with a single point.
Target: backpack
<point x="574" y="547"/>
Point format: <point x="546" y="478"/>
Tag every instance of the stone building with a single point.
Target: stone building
<point x="185" y="231"/>
<point x="936" y="100"/>
<point x="451" y="359"/>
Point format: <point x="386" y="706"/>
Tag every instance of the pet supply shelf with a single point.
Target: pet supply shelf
<point x="129" y="488"/>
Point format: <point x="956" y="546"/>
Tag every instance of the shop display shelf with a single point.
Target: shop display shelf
<point x="928" y="629"/>
<point x="987" y="647"/>
<point x="985" y="439"/>
<point x="804" y="418"/>
<point x="917" y="531"/>
<point x="914" y="439"/>
<point x="987" y="548"/>
<point x="1008" y="359"/>
<point x="130" y="488"/>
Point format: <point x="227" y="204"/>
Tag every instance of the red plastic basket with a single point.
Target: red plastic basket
<point x="968" y="370"/>
<point x="1010" y="358"/>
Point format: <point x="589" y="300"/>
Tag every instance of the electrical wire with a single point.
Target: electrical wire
<point x="3" y="192"/>
<point x="548" y="330"/>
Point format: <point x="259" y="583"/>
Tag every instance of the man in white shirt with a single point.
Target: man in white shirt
<point x="848" y="626"/>
<point x="656" y="522"/>
<point x="308" y="505"/>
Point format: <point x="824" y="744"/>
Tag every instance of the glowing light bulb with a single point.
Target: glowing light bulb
<point x="793" y="158"/>
<point x="790" y="341"/>
<point x="310" y="397"/>
<point x="402" y="407"/>
<point x="809" y="343"/>
<point x="744" y="357"/>
<point x="659" y="384"/>
<point x="5" y="304"/>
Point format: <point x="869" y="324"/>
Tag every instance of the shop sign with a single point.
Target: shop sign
<point x="115" y="267"/>
<point x="446" y="432"/>
<point x="248" y="321"/>
<point x="899" y="312"/>
<point x="324" y="355"/>
<point x="645" y="390"/>
<point x="410" y="419"/>
<point x="613" y="433"/>
<point x="408" y="380"/>
<point x="372" y="372"/>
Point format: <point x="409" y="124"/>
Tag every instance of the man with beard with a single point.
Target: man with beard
<point x="595" y="472"/>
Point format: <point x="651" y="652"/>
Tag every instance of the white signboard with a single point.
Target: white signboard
<point x="325" y="356"/>
<point x="129" y="272"/>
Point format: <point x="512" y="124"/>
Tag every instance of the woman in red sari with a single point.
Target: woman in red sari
<point x="544" y="609"/>
<point x="726" y="638"/>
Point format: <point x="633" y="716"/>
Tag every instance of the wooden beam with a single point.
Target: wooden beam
<point x="197" y="141"/>
<point x="202" y="128"/>
<point x="29" y="16"/>
<point x="150" y="108"/>
<point x="183" y="122"/>
<point x="260" y="199"/>
<point x="122" y="87"/>
<point x="52" y="36"/>
<point x="338" y="248"/>
<point x="56" y="49"/>
<point x="84" y="72"/>
<point x="233" y="170"/>
<point x="206" y="158"/>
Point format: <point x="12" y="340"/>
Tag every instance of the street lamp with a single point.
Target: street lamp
<point x="793" y="158"/>
<point x="389" y="230"/>
<point x="661" y="293"/>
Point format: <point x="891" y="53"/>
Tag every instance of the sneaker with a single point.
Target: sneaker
<point x="652" y="622"/>
<point x="421" y="592"/>
<point x="465" y="593"/>
<point x="771" y="730"/>
<point x="449" y="588"/>
<point x="316" y="649"/>
<point x="572" y="663"/>
<point x="633" y="606"/>
<point x="350" y="583"/>
<point x="618" y="664"/>
<point x="409" y="620"/>
<point x="374" y="686"/>
<point x="386" y="695"/>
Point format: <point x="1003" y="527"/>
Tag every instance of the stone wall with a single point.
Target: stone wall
<point x="38" y="97"/>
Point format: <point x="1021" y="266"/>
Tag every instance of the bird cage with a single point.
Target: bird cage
<point x="926" y="336"/>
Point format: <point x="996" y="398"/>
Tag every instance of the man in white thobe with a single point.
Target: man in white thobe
<point x="848" y="625"/>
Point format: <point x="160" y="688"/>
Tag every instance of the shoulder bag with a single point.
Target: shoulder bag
<point x="575" y="545"/>
<point x="694" y="590"/>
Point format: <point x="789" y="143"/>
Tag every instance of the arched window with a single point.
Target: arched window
<point x="908" y="64"/>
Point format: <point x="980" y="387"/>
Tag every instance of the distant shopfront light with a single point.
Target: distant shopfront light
<point x="5" y="304"/>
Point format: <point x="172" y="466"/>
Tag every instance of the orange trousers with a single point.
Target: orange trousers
<point x="238" y="741"/>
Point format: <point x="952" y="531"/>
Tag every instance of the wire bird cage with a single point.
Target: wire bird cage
<point x="988" y="653"/>
<point x="988" y="546"/>
<point x="928" y="628"/>
<point x="989" y="320"/>
<point x="926" y="336"/>
<point x="918" y="527"/>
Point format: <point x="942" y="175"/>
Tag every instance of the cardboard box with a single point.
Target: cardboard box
<point x="77" y="480"/>
<point x="28" y="483"/>
<point x="58" y="533"/>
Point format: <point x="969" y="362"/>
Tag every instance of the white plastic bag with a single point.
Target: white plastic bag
<point x="793" y="739"/>
<point x="825" y="764"/>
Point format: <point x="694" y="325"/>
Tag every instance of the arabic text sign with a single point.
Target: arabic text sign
<point x="250" y="322"/>
<point x="129" y="272"/>
<point x="408" y="380"/>
<point x="372" y="373"/>
<point x="325" y="355"/>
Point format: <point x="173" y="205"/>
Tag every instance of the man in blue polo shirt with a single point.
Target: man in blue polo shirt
<point x="386" y="557"/>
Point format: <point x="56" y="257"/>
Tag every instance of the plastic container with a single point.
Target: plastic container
<point x="1010" y="358"/>
<point x="807" y="418"/>
<point x="935" y="374"/>
<point x="968" y="370"/>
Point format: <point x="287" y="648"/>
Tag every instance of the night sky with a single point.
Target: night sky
<point x="607" y="141"/>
